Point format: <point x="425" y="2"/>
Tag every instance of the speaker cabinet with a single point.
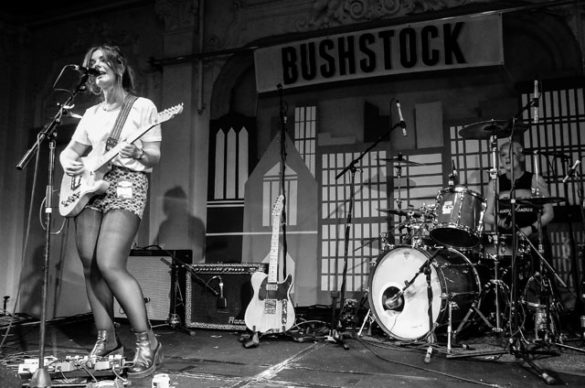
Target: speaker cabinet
<point x="155" y="272"/>
<point x="205" y="308"/>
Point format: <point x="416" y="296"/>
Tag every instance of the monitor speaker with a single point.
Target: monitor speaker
<point x="205" y="308"/>
<point x="153" y="270"/>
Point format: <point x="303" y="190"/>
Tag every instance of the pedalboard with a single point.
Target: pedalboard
<point x="74" y="366"/>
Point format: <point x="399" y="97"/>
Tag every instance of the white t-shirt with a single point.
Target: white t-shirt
<point x="97" y="124"/>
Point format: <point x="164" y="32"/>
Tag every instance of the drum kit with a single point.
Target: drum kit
<point x="467" y="276"/>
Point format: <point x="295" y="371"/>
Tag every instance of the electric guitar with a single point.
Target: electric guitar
<point x="77" y="190"/>
<point x="270" y="310"/>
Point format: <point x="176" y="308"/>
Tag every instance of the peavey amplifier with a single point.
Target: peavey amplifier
<point x="218" y="294"/>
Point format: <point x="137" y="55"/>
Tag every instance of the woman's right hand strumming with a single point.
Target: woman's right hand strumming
<point x="72" y="166"/>
<point x="71" y="163"/>
<point x="70" y="158"/>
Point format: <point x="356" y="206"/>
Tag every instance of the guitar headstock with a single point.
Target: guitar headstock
<point x="169" y="113"/>
<point x="278" y="204"/>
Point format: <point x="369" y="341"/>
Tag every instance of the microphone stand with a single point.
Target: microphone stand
<point x="174" y="319"/>
<point x="351" y="167"/>
<point x="41" y="377"/>
<point x="283" y="120"/>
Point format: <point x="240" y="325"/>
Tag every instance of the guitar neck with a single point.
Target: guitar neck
<point x="114" y="151"/>
<point x="273" y="263"/>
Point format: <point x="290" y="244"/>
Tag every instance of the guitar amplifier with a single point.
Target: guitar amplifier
<point x="154" y="272"/>
<point x="205" y="308"/>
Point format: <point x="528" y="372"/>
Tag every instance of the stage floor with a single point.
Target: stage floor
<point x="217" y="358"/>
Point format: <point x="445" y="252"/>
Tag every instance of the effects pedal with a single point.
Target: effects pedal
<point x="74" y="366"/>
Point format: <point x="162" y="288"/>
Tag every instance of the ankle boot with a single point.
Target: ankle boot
<point x="107" y="343"/>
<point x="148" y="355"/>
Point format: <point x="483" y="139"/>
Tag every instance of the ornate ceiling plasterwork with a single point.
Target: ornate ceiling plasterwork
<point x="332" y="13"/>
<point x="178" y="14"/>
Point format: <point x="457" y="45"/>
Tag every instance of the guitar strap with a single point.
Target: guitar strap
<point x="120" y="120"/>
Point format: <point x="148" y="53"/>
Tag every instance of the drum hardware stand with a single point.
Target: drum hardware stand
<point x="431" y="337"/>
<point x="368" y="319"/>
<point x="516" y="342"/>
<point x="578" y="275"/>
<point x="543" y="319"/>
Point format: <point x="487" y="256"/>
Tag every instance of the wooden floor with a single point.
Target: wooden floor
<point x="216" y="358"/>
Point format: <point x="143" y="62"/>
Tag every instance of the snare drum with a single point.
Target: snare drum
<point x="454" y="281"/>
<point x="459" y="217"/>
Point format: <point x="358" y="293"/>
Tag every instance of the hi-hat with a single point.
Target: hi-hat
<point x="399" y="159"/>
<point x="483" y="130"/>
<point x="404" y="213"/>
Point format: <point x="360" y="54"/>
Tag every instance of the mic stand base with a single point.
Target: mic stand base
<point x="41" y="378"/>
<point x="335" y="336"/>
<point x="519" y="351"/>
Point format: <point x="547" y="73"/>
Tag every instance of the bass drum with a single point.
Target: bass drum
<point x="405" y="316"/>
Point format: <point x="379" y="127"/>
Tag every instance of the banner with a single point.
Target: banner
<point x="444" y="44"/>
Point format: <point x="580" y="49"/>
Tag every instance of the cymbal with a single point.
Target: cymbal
<point x="540" y="201"/>
<point x="404" y="213"/>
<point x="483" y="130"/>
<point x="399" y="159"/>
<point x="536" y="201"/>
<point x="556" y="154"/>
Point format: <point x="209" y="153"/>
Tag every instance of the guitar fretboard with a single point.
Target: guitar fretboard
<point x="163" y="116"/>
<point x="273" y="263"/>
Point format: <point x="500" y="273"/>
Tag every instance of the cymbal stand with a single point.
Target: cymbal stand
<point x="496" y="282"/>
<point x="516" y="342"/>
<point x="497" y="240"/>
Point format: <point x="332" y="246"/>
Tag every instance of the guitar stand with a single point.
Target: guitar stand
<point x="250" y="340"/>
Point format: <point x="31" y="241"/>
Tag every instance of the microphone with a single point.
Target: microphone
<point x="572" y="170"/>
<point x="86" y="71"/>
<point x="534" y="102"/>
<point x="394" y="302"/>
<point x="453" y="175"/>
<point x="401" y="118"/>
<point x="221" y="300"/>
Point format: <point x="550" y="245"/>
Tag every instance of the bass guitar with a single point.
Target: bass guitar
<point x="270" y="310"/>
<point x="77" y="190"/>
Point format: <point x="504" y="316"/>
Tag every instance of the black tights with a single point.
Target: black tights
<point x="104" y="242"/>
